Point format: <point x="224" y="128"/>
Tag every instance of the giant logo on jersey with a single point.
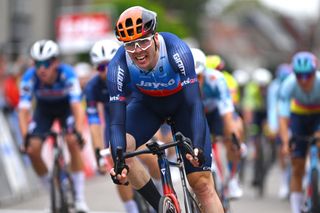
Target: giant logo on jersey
<point x="180" y="64"/>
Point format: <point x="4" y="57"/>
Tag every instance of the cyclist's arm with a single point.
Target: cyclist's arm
<point x="117" y="80"/>
<point x="285" y="93"/>
<point x="26" y="93"/>
<point x="24" y="116"/>
<point x="181" y="59"/>
<point x="75" y="98"/>
<point x="94" y="110"/>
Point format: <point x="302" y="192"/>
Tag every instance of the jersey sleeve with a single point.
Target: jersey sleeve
<point x="91" y="103"/>
<point x="117" y="82"/>
<point x="272" y="105"/>
<point x="181" y="59"/>
<point x="26" y="88"/>
<point x="224" y="99"/>
<point x="285" y="96"/>
<point x="73" y="84"/>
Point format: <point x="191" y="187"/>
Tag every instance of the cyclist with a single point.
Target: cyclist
<point x="254" y="109"/>
<point x="282" y="71"/>
<point x="159" y="69"/>
<point x="299" y="102"/>
<point x="220" y="113"/>
<point x="57" y="95"/>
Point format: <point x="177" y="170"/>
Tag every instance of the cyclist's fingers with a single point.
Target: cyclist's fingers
<point x="112" y="172"/>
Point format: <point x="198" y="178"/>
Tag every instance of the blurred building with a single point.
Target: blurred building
<point x="75" y="23"/>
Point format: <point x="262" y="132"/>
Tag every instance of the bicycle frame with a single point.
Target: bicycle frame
<point x="164" y="166"/>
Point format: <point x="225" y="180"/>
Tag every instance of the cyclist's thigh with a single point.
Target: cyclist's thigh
<point x="183" y="124"/>
<point x="41" y="122"/>
<point x="141" y="122"/>
<point x="302" y="125"/>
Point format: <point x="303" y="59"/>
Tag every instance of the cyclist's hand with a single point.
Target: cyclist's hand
<point x="197" y="159"/>
<point x="285" y="150"/>
<point x="120" y="179"/>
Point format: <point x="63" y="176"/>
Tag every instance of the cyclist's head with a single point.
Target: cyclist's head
<point x="134" y="23"/>
<point x="215" y="62"/>
<point x="83" y="71"/>
<point x="102" y="52"/>
<point x="199" y="60"/>
<point x="304" y="65"/>
<point x="44" y="50"/>
<point x="241" y="76"/>
<point x="45" y="53"/>
<point x="283" y="70"/>
<point x="261" y="77"/>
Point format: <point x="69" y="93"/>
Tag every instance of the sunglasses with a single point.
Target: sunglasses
<point x="142" y="43"/>
<point x="304" y="76"/>
<point x="102" y="67"/>
<point x="46" y="63"/>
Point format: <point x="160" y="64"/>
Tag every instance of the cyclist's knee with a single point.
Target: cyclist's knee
<point x="202" y="185"/>
<point x="34" y="147"/>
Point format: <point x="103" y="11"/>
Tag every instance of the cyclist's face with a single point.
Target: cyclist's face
<point x="143" y="52"/>
<point x="46" y="70"/>
<point x="306" y="81"/>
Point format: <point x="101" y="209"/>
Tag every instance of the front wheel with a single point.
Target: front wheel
<point x="166" y="205"/>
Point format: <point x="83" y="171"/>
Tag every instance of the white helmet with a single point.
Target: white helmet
<point x="103" y="50"/>
<point x="199" y="60"/>
<point x="43" y="50"/>
<point x="241" y="76"/>
<point x="261" y="76"/>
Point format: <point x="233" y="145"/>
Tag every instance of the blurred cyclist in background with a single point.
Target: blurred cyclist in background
<point x="159" y="69"/>
<point x="282" y="72"/>
<point x="254" y="106"/>
<point x="57" y="92"/>
<point x="97" y="99"/>
<point x="220" y="113"/>
<point x="299" y="103"/>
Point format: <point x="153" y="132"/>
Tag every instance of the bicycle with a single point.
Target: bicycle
<point x="62" y="191"/>
<point x="169" y="200"/>
<point x="312" y="193"/>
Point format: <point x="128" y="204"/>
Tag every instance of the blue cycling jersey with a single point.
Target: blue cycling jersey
<point x="173" y="76"/>
<point x="96" y="91"/>
<point x="216" y="94"/>
<point x="65" y="88"/>
<point x="294" y="99"/>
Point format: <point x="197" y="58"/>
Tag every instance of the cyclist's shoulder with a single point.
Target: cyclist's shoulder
<point x="29" y="74"/>
<point x="67" y="70"/>
<point x="93" y="83"/>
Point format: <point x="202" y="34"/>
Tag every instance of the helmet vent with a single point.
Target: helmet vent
<point x="148" y="25"/>
<point x="129" y="22"/>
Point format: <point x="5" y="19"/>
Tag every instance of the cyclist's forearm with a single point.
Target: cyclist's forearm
<point x="78" y="113"/>
<point x="97" y="136"/>
<point x="24" y="116"/>
<point x="284" y="130"/>
<point x="228" y="125"/>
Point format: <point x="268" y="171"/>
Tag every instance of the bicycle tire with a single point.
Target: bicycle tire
<point x="259" y="168"/>
<point x="315" y="198"/>
<point x="166" y="205"/>
<point x="62" y="195"/>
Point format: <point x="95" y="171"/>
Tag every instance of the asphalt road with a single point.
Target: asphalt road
<point x="101" y="196"/>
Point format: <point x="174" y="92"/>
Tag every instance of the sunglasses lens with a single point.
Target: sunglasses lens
<point x="143" y="43"/>
<point x="304" y="76"/>
<point x="102" y="67"/>
<point x="45" y="63"/>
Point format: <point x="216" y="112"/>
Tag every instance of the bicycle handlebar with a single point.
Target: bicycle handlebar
<point x="155" y="148"/>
